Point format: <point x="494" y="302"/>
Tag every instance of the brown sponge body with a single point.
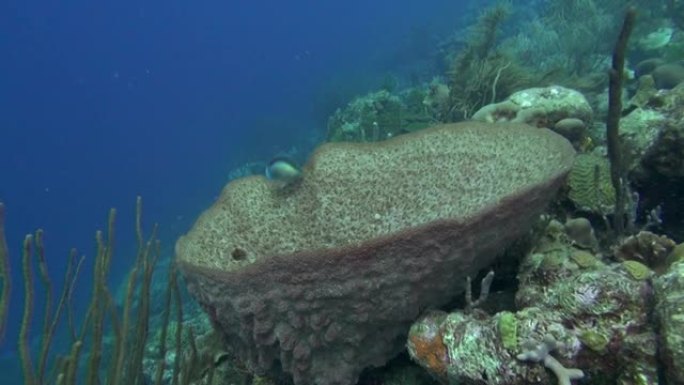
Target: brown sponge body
<point x="326" y="277"/>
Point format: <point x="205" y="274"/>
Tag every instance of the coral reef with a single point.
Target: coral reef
<point x="564" y="110"/>
<point x="381" y="115"/>
<point x="662" y="154"/>
<point x="578" y="232"/>
<point x="668" y="76"/>
<point x="669" y="311"/>
<point x="481" y="73"/>
<point x="372" y="235"/>
<point x="652" y="125"/>
<point x="655" y="39"/>
<point x="590" y="188"/>
<point x="591" y="313"/>
<point x="645" y="247"/>
<point x="652" y="134"/>
<point x="561" y="37"/>
<point x="367" y="119"/>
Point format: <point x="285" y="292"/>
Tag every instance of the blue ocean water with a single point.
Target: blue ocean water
<point x="104" y="101"/>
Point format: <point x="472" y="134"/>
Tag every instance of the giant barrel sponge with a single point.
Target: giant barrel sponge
<point x="322" y="279"/>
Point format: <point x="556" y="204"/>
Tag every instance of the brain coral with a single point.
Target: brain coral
<point x="325" y="279"/>
<point x="590" y="185"/>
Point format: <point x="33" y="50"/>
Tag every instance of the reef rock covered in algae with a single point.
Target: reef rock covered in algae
<point x="579" y="316"/>
<point x="324" y="278"/>
<point x="669" y="313"/>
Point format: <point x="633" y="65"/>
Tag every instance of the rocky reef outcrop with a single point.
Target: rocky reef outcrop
<point x="578" y="314"/>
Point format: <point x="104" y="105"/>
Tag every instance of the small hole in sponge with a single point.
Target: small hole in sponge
<point x="238" y="254"/>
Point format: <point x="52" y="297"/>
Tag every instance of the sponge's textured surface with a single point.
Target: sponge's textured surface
<point x="325" y="278"/>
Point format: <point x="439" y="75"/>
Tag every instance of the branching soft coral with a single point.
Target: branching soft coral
<point x="481" y="72"/>
<point x="541" y="352"/>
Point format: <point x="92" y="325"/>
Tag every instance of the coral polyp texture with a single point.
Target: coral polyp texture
<point x="324" y="278"/>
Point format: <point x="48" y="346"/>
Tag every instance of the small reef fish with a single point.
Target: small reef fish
<point x="283" y="170"/>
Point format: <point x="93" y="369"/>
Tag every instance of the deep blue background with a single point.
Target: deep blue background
<point x="103" y="101"/>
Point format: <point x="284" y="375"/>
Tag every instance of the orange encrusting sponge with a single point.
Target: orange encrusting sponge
<point x="429" y="350"/>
